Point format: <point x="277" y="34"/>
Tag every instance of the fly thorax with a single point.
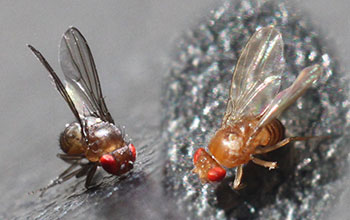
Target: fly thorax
<point x="234" y="145"/>
<point x="91" y="121"/>
<point x="227" y="146"/>
<point x="103" y="138"/>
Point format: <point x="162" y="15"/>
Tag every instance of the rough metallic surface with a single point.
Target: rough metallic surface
<point x="310" y="173"/>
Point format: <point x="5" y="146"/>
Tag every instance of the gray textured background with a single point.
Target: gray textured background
<point x="131" y="42"/>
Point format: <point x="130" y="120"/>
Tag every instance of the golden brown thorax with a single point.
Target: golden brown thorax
<point x="102" y="138"/>
<point x="228" y="145"/>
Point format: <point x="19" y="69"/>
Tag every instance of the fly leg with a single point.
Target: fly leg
<point x="238" y="178"/>
<point x="74" y="160"/>
<point x="262" y="150"/>
<point x="70" y="158"/>
<point x="89" y="177"/>
<point x="84" y="170"/>
<point x="87" y="169"/>
<point x="264" y="163"/>
<point x="64" y="176"/>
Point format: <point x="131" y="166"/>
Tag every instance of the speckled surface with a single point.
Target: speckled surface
<point x="305" y="185"/>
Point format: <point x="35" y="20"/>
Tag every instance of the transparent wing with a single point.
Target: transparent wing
<point x="288" y="96"/>
<point x="59" y="86"/>
<point x="257" y="75"/>
<point x="83" y="84"/>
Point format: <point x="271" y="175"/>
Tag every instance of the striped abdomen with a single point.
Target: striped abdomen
<point x="275" y="132"/>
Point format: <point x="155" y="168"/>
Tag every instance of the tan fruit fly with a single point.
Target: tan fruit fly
<point x="92" y="140"/>
<point x="249" y="126"/>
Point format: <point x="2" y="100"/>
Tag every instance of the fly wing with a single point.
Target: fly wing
<point x="59" y="86"/>
<point x="288" y="96"/>
<point x="257" y="75"/>
<point x="83" y="84"/>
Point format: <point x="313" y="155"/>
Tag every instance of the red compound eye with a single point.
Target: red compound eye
<point x="109" y="164"/>
<point x="133" y="151"/>
<point x="216" y="174"/>
<point x="197" y="154"/>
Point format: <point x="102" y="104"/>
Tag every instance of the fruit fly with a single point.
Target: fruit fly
<point x="92" y="140"/>
<point x="249" y="126"/>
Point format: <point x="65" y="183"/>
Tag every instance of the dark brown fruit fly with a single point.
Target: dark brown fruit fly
<point x="250" y="125"/>
<point x="92" y="140"/>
